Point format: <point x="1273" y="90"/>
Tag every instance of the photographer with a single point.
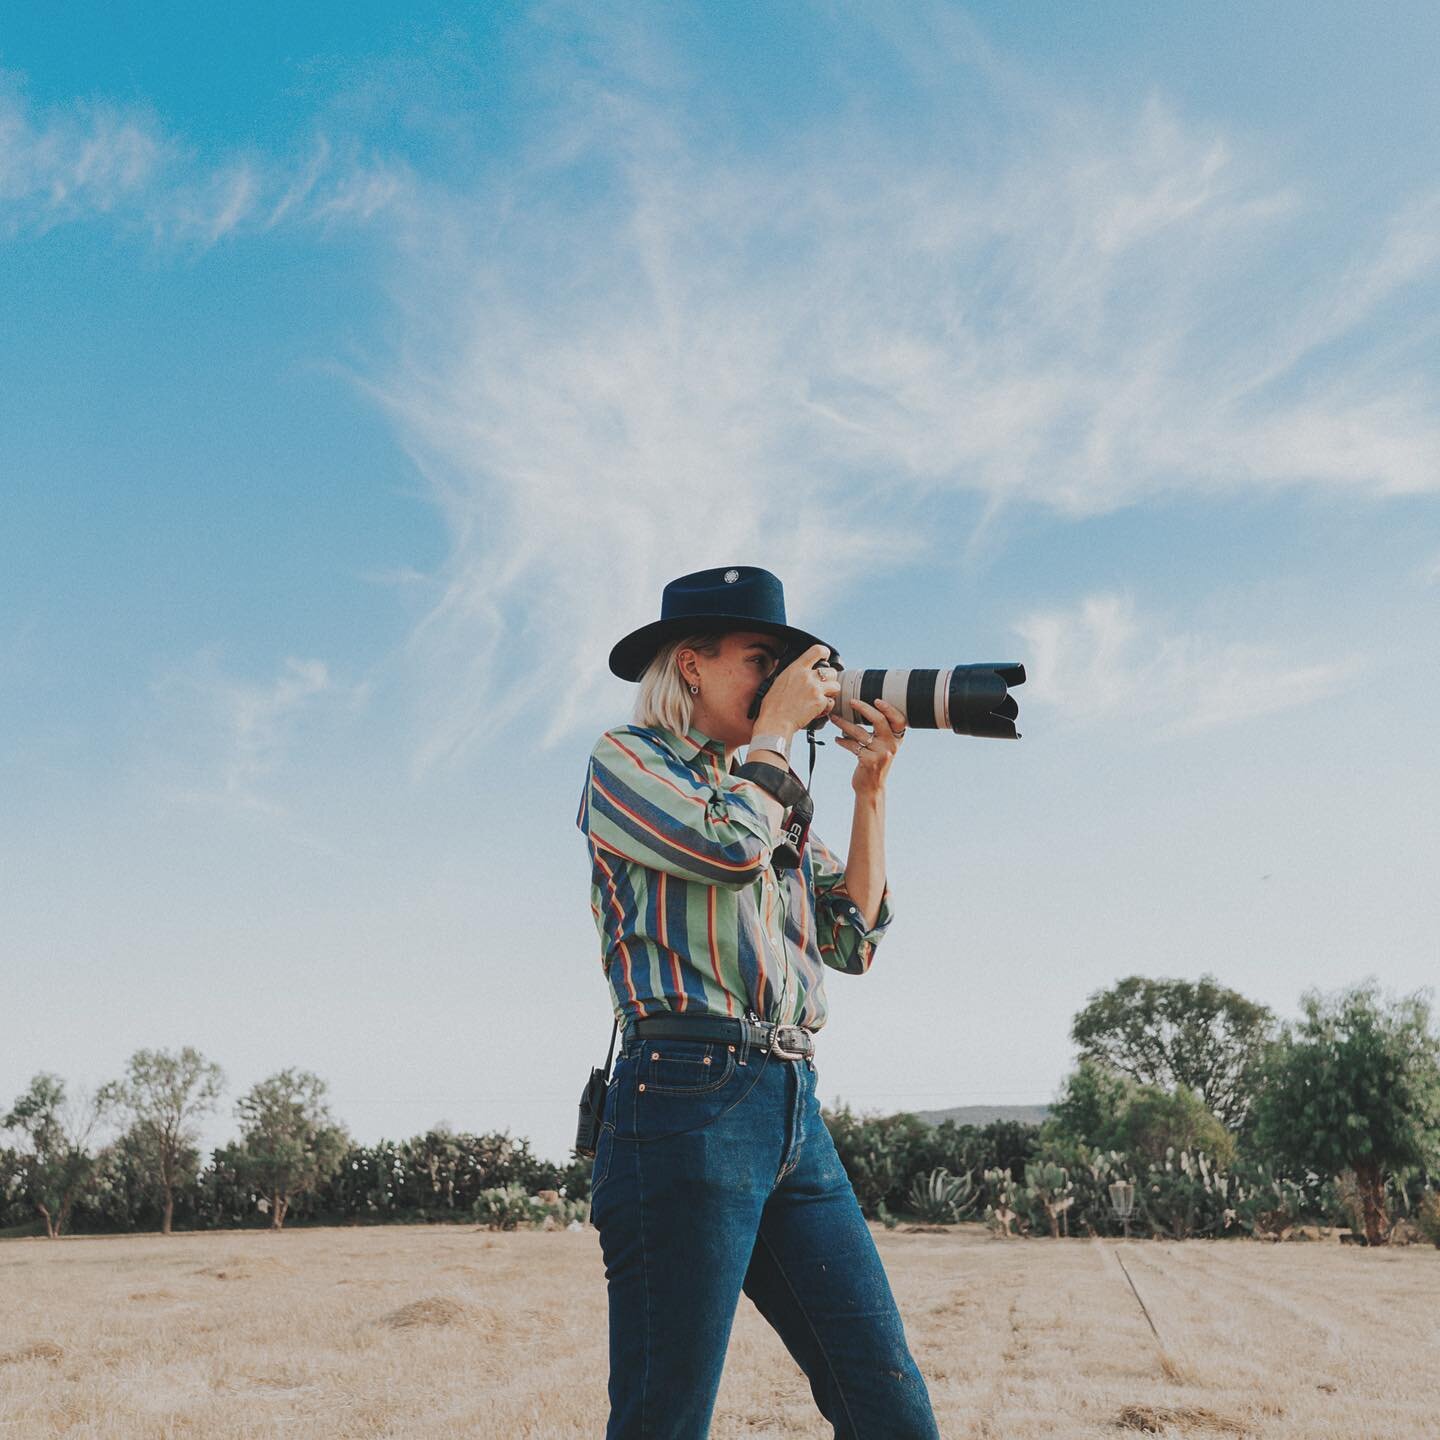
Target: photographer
<point x="713" y="1169"/>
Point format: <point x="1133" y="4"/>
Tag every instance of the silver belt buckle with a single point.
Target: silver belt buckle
<point x="791" y="1042"/>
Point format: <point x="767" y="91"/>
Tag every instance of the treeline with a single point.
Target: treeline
<point x="1190" y="1112"/>
<point x="291" y="1161"/>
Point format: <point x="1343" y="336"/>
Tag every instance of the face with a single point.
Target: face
<point x="728" y="681"/>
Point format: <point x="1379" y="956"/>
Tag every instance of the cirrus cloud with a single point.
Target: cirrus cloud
<point x="640" y="350"/>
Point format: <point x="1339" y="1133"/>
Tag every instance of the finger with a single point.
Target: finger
<point x="878" y="718"/>
<point x="854" y="731"/>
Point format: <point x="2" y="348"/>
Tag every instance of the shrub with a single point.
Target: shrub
<point x="1427" y="1216"/>
<point x="1185" y="1195"/>
<point x="1268" y="1206"/>
<point x="507" y="1207"/>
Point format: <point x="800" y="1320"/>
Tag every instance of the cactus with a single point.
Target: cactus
<point x="941" y="1198"/>
<point x="508" y="1207"/>
<point x="1000" y="1213"/>
<point x="1048" y="1194"/>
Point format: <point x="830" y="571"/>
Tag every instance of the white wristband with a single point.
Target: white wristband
<point x="777" y="743"/>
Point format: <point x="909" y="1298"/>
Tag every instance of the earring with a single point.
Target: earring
<point x="694" y="689"/>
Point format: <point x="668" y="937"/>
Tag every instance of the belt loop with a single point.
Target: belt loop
<point x="744" y="1042"/>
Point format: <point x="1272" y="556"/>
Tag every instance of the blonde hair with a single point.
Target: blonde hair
<point x="665" y="699"/>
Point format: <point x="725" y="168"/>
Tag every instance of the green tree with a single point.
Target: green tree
<point x="1103" y="1111"/>
<point x="55" y="1138"/>
<point x="1179" y="1033"/>
<point x="1355" y="1085"/>
<point x="1156" y="1121"/>
<point x="1090" y="1106"/>
<point x="162" y="1095"/>
<point x="289" y="1143"/>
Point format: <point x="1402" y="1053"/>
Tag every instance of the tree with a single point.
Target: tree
<point x="1355" y="1085"/>
<point x="1179" y="1033"/>
<point x="1090" y="1106"/>
<point x="289" y="1143"/>
<point x="55" y="1153"/>
<point x="1156" y="1121"/>
<point x="1104" y="1110"/>
<point x="162" y="1095"/>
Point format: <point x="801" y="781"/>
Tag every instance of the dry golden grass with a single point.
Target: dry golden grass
<point x="443" y="1331"/>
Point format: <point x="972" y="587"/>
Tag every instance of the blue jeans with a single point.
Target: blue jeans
<point x="715" y="1173"/>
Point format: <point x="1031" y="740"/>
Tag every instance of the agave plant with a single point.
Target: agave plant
<point x="941" y="1198"/>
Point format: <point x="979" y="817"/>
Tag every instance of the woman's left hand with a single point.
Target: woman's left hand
<point x="873" y="749"/>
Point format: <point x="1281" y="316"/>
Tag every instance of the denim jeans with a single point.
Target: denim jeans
<point x="715" y="1173"/>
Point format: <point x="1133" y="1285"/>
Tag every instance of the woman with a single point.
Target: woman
<point x="714" y="1171"/>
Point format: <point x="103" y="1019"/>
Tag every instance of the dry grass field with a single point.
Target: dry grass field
<point x="447" y="1332"/>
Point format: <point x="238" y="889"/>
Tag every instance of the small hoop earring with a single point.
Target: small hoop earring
<point x="694" y="689"/>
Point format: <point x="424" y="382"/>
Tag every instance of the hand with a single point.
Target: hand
<point x="799" y="695"/>
<point x="873" y="749"/>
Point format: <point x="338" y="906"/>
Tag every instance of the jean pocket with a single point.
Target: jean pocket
<point x="685" y="1067"/>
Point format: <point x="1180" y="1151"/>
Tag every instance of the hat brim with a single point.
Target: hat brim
<point x="632" y="654"/>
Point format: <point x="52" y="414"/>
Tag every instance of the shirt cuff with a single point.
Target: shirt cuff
<point x="849" y="912"/>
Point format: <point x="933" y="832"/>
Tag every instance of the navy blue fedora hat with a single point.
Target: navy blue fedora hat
<point x="730" y="597"/>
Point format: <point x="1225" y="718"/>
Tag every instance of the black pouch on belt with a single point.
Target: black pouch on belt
<point x="592" y="1105"/>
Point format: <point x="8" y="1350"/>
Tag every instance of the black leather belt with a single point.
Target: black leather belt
<point x="785" y="1042"/>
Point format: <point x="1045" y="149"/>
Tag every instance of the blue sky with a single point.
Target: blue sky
<point x="364" y="375"/>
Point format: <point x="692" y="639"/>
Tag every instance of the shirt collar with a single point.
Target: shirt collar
<point x="693" y="741"/>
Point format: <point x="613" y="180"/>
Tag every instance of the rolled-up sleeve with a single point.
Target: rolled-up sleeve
<point x="648" y="807"/>
<point x="845" y="943"/>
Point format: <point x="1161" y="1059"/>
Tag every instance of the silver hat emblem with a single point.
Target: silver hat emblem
<point x="731" y="576"/>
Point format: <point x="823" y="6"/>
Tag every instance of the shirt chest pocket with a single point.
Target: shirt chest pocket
<point x="684" y="1067"/>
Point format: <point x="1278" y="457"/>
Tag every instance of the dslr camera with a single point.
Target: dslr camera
<point x="964" y="699"/>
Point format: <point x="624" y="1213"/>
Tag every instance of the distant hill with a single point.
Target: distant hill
<point x="986" y="1114"/>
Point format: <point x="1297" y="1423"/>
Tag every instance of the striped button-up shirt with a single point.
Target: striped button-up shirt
<point x="693" y="919"/>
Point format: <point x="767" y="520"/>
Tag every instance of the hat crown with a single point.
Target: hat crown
<point x="726" y="598"/>
<point x="727" y="592"/>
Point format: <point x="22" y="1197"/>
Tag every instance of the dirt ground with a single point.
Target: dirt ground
<point x="442" y="1331"/>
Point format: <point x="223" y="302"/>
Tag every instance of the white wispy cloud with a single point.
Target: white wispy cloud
<point x="644" y="350"/>
<point x="86" y="161"/>
<point x="1100" y="657"/>
<point x="90" y="160"/>
<point x="230" y="737"/>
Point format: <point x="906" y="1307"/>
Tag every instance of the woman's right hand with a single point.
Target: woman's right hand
<point x="799" y="695"/>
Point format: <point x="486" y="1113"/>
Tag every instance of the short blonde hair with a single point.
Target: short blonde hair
<point x="665" y="699"/>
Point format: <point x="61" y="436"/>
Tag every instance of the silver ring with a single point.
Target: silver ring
<point x="865" y="744"/>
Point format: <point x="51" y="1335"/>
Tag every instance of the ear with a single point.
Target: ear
<point x="685" y="663"/>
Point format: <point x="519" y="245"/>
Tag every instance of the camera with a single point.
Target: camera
<point x="970" y="699"/>
<point x="966" y="699"/>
